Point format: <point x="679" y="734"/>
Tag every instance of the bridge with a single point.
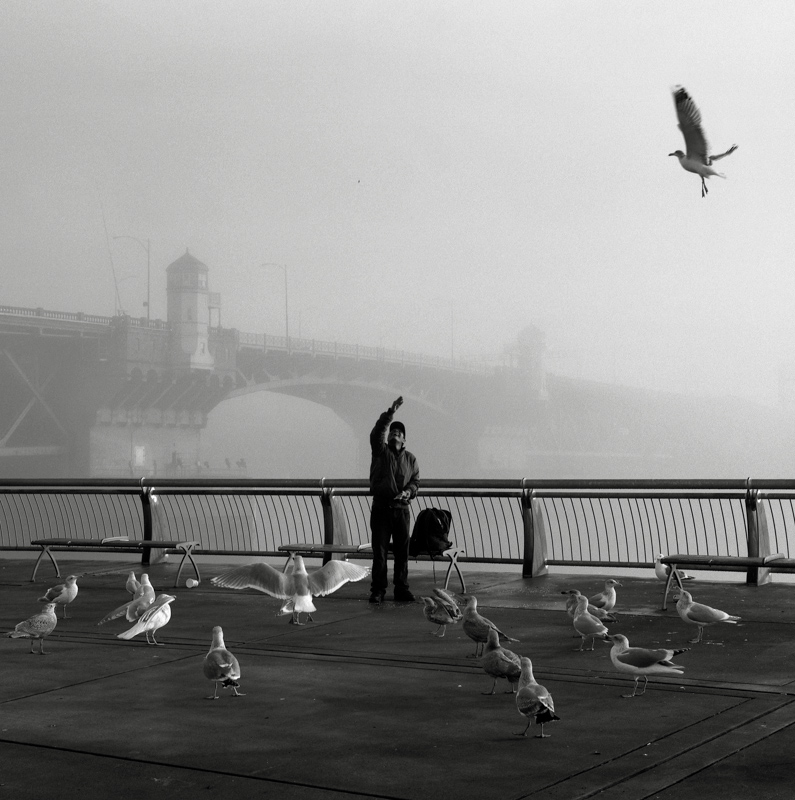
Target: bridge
<point x="90" y="395"/>
<point x="97" y="396"/>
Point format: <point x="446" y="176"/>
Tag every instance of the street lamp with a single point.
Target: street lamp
<point x="286" y="314"/>
<point x="148" y="272"/>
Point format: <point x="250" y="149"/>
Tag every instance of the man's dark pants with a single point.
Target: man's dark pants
<point x="386" y="523"/>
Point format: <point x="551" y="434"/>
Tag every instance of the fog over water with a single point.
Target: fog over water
<point x="432" y="177"/>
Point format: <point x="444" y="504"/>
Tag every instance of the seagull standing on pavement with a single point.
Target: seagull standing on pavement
<point x="135" y="608"/>
<point x="587" y="625"/>
<point x="533" y="700"/>
<point x="221" y="666"/>
<point x="641" y="663"/>
<point x="63" y="593"/>
<point x="497" y="662"/>
<point x="701" y="615"/>
<point x="662" y="571"/>
<point x="297" y="587"/>
<point x="606" y="599"/>
<point x="132" y="584"/>
<point x="152" y="620"/>
<point x="477" y="627"/>
<point x="36" y="627"/>
<point x="571" y="607"/>
<point x="697" y="158"/>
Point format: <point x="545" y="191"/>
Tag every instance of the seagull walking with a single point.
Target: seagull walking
<point x="437" y="614"/>
<point x="477" y="627"/>
<point x="152" y="619"/>
<point x="606" y="599"/>
<point x="533" y="700"/>
<point x="297" y="587"/>
<point x="498" y="662"/>
<point x="135" y="608"/>
<point x="697" y="158"/>
<point x="36" y="627"/>
<point x="701" y="615"/>
<point x="641" y="663"/>
<point x="62" y="593"/>
<point x="587" y="625"/>
<point x="221" y="666"/>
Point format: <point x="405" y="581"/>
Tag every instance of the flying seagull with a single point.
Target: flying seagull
<point x="221" y="666"/>
<point x="641" y="662"/>
<point x="36" y="627"/>
<point x="297" y="587"/>
<point x="697" y="158"/>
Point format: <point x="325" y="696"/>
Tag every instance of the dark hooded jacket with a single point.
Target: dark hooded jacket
<point x="390" y="472"/>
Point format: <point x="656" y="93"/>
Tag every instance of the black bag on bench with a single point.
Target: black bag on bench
<point x="430" y="532"/>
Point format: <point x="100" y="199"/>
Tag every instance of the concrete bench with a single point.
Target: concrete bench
<point x="115" y="545"/>
<point x="327" y="550"/>
<point x="776" y="561"/>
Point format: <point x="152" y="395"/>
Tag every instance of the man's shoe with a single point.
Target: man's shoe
<point x="404" y="596"/>
<point x="377" y="597"/>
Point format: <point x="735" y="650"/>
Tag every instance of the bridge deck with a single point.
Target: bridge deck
<point x="365" y="703"/>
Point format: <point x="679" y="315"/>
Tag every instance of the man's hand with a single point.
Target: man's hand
<point x="404" y="495"/>
<point x="397" y="404"/>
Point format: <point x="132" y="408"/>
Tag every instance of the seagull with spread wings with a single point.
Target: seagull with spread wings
<point x="297" y="587"/>
<point x="154" y="618"/>
<point x="697" y="159"/>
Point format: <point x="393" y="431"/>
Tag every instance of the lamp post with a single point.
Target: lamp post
<point x="286" y="313"/>
<point x="147" y="248"/>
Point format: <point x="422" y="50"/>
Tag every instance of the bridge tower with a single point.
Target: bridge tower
<point x="189" y="313"/>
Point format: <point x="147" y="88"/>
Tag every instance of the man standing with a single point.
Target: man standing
<point x="394" y="480"/>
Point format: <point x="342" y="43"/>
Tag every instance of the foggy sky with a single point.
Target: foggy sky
<point x="435" y="175"/>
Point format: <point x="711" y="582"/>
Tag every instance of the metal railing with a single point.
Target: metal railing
<point x="532" y="523"/>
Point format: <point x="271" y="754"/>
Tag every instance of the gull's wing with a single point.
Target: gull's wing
<point x="260" y="576"/>
<point x="698" y="612"/>
<point x="331" y="576"/>
<point x="642" y="658"/>
<point x="690" y="124"/>
<point x="449" y="603"/>
<point x="723" y="155"/>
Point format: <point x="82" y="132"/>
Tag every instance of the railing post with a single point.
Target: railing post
<point x="146" y="507"/>
<point x="757" y="536"/>
<point x="534" y="559"/>
<point x="328" y="519"/>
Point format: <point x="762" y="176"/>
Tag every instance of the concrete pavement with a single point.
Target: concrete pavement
<point x="365" y="703"/>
